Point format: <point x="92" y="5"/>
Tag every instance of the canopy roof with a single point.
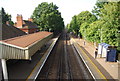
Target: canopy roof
<point x="23" y="47"/>
<point x="27" y="40"/>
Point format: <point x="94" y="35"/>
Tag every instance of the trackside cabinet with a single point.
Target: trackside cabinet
<point x="111" y="55"/>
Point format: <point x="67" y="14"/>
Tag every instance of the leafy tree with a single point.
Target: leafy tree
<point x="94" y="33"/>
<point x="108" y="24"/>
<point x="83" y="29"/>
<point x="84" y="17"/>
<point x="6" y="17"/>
<point x="83" y="20"/>
<point x="69" y="29"/>
<point x="111" y="16"/>
<point x="48" y="18"/>
<point x="99" y="4"/>
<point x="74" y="26"/>
<point x="106" y="27"/>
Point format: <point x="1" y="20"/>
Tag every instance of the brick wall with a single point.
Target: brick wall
<point x="29" y="31"/>
<point x="25" y="30"/>
<point x="19" y="21"/>
<point x="32" y="30"/>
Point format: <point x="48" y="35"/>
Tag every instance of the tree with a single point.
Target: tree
<point x="111" y="16"/>
<point x="104" y="28"/>
<point x="73" y="25"/>
<point x="83" y="20"/>
<point x="83" y="29"/>
<point x="68" y="28"/>
<point x="6" y="17"/>
<point x="85" y="16"/>
<point x="94" y="33"/>
<point x="78" y="20"/>
<point x="48" y="17"/>
<point x="99" y="4"/>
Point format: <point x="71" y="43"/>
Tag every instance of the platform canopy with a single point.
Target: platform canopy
<point x="23" y="47"/>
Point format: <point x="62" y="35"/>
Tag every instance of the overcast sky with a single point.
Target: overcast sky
<point x="68" y="8"/>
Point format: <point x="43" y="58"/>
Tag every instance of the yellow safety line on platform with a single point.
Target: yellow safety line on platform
<point x="36" y="66"/>
<point x="33" y="70"/>
<point x="92" y="63"/>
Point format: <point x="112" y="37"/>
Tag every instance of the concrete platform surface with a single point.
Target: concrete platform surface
<point x="111" y="67"/>
<point x="21" y="69"/>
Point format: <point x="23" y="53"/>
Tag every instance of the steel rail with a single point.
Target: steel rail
<point x="33" y="75"/>
<point x="84" y="61"/>
<point x="68" y="61"/>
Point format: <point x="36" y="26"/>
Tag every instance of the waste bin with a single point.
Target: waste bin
<point x="111" y="55"/>
<point x="100" y="46"/>
<point x="105" y="50"/>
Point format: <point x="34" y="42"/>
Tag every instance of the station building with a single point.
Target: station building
<point x="26" y="25"/>
<point x="8" y="31"/>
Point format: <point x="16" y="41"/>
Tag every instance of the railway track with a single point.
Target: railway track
<point x="64" y="63"/>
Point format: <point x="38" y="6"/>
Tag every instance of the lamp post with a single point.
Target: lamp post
<point x="100" y="35"/>
<point x="84" y="36"/>
<point x="118" y="48"/>
<point x="118" y="38"/>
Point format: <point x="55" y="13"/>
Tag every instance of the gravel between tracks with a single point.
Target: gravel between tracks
<point x="64" y="63"/>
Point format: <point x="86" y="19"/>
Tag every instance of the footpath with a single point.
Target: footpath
<point x="111" y="67"/>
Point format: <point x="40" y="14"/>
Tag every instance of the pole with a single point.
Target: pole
<point x="0" y="71"/>
<point x="4" y="68"/>
<point x="101" y="35"/>
<point x="84" y="36"/>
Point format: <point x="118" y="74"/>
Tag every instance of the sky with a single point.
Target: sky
<point x="68" y="8"/>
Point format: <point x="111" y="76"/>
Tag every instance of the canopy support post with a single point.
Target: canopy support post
<point x="4" y="68"/>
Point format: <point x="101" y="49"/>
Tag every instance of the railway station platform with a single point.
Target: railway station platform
<point x="22" y="70"/>
<point x="111" y="68"/>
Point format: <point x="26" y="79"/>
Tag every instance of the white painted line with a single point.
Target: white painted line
<point x="85" y="63"/>
<point x="46" y="58"/>
<point x="35" y="72"/>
